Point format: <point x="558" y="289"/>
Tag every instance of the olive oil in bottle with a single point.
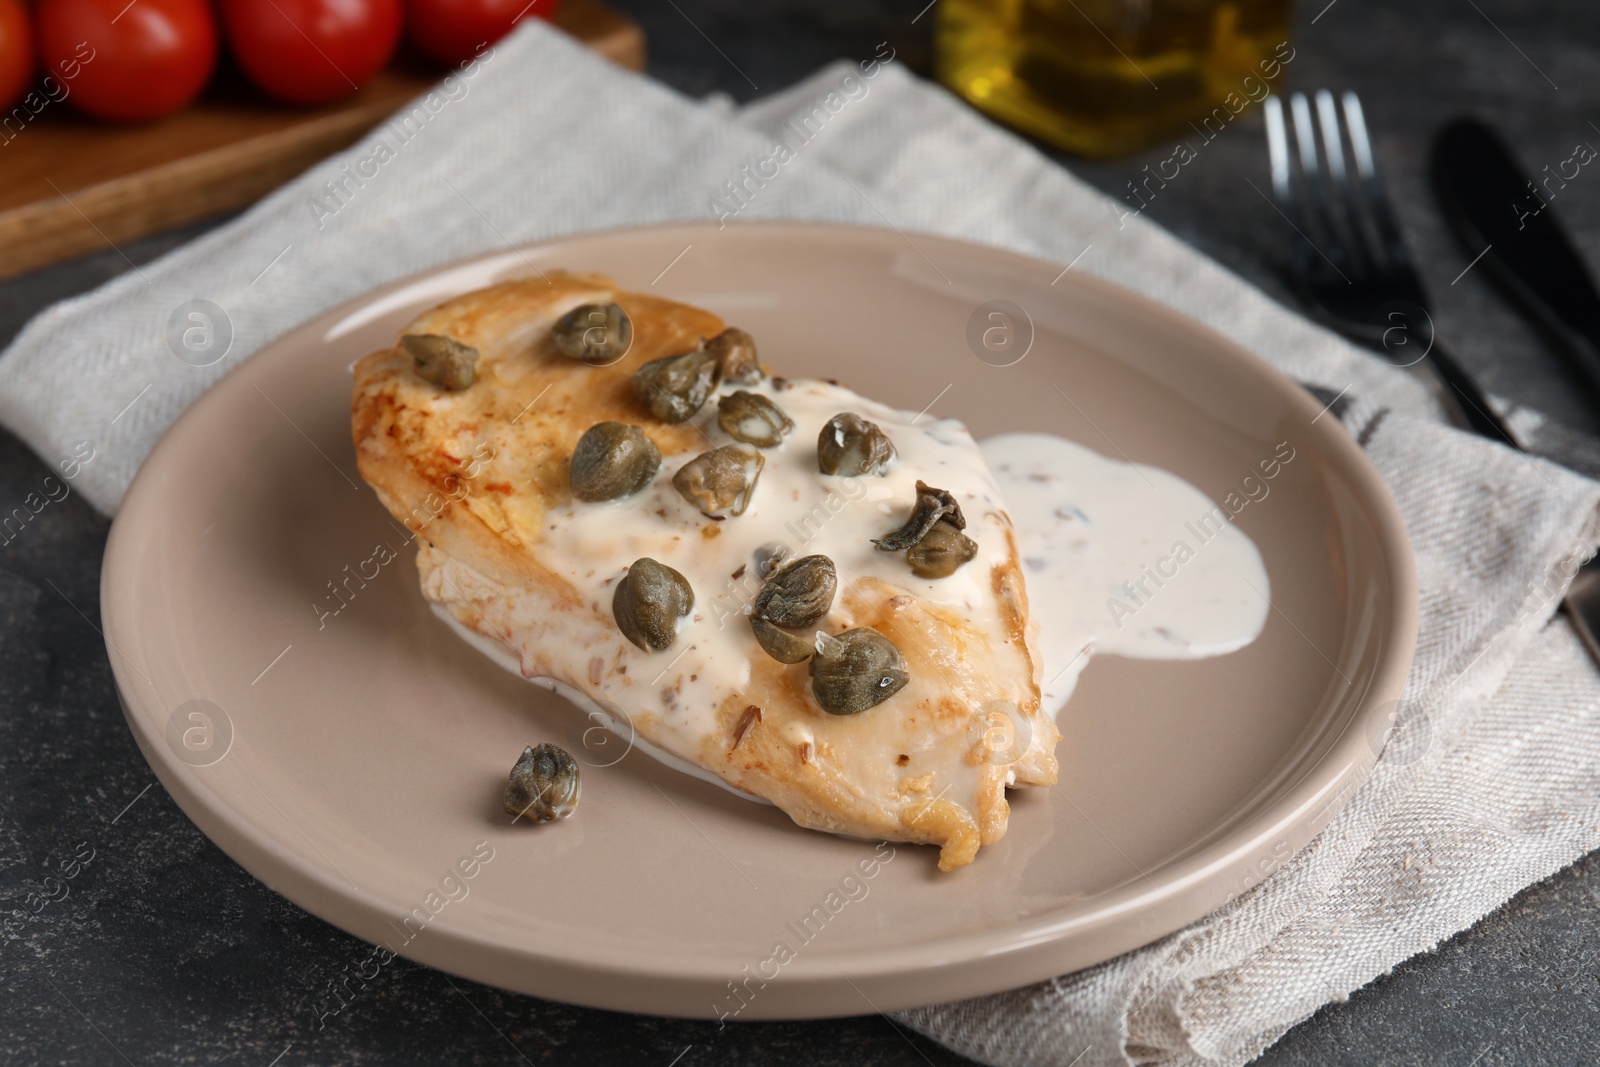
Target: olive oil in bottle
<point x="1108" y="77"/>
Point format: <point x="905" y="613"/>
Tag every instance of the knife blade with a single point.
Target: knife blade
<point x="1503" y="216"/>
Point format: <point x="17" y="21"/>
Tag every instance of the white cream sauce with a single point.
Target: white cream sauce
<point x="605" y="753"/>
<point x="1084" y="525"/>
<point x="1123" y="559"/>
<point x="794" y="508"/>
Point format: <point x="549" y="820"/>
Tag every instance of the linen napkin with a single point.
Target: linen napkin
<point x="1491" y="779"/>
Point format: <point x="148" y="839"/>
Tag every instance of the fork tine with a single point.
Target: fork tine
<point x="1304" y="134"/>
<point x="1278" y="150"/>
<point x="1360" y="144"/>
<point x="1374" y="198"/>
<point x="1328" y="119"/>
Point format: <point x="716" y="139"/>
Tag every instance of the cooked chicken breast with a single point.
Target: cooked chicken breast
<point x="476" y="456"/>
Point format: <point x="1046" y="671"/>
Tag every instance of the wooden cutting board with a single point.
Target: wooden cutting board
<point x="70" y="185"/>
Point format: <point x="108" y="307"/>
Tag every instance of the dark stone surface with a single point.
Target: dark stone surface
<point x="161" y="950"/>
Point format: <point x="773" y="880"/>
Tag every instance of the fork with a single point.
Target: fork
<point x="1350" y="261"/>
<point x="1359" y="278"/>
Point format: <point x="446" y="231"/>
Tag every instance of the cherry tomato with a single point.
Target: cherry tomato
<point x="128" y="62"/>
<point x="311" y="51"/>
<point x="16" y="52"/>
<point x="453" y="31"/>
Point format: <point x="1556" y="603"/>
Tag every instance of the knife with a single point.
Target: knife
<point x="1507" y="220"/>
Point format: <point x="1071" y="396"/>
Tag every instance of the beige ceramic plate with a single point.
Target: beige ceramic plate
<point x="354" y="761"/>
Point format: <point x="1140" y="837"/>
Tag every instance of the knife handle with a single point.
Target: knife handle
<point x="1469" y="399"/>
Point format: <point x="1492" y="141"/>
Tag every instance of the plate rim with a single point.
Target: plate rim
<point x="1183" y="891"/>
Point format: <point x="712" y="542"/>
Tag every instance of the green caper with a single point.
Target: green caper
<point x="543" y="786"/>
<point x="855" y="671"/>
<point x="721" y="481"/>
<point x="735" y="351"/>
<point x="444" y="361"/>
<point x="932" y="506"/>
<point x="798" y="593"/>
<point x="942" y="551"/>
<point x="850" y="445"/>
<point x="649" y="601"/>
<point x="612" y="460"/>
<point x="753" y="419"/>
<point x="598" y="334"/>
<point x="675" y="387"/>
<point x="781" y="645"/>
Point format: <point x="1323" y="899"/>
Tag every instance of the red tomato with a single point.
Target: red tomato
<point x="16" y="52"/>
<point x="453" y="31"/>
<point x="311" y="51"/>
<point x="128" y="62"/>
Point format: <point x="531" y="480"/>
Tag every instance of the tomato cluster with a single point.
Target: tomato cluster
<point x="137" y="60"/>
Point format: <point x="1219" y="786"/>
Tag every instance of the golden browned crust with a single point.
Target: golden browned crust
<point x="416" y="445"/>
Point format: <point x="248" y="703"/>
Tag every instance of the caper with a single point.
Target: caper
<point x="850" y="445"/>
<point x="648" y="603"/>
<point x="799" y="593"/>
<point x="444" y="361"/>
<point x="781" y="645"/>
<point x="675" y="387"/>
<point x="598" y="334"/>
<point x="932" y="505"/>
<point x="543" y="786"/>
<point x="721" y="481"/>
<point x="857" y="670"/>
<point x="735" y="351"/>
<point x="942" y="551"/>
<point x="612" y="460"/>
<point x="753" y="419"/>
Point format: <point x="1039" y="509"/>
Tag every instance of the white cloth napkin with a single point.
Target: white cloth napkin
<point x="1492" y="780"/>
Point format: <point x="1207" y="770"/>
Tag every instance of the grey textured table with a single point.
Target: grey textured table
<point x="166" y="952"/>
